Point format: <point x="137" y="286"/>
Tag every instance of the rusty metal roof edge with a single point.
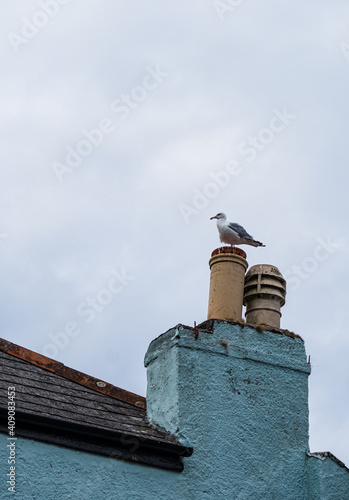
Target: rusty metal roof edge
<point x="80" y="378"/>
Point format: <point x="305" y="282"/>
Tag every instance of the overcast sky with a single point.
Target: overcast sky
<point x="125" y="126"/>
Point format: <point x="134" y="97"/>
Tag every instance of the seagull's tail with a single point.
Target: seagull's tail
<point x="255" y="243"/>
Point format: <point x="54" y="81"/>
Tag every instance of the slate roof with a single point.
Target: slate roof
<point x="59" y="405"/>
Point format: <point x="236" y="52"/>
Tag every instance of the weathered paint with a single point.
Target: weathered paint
<point x="237" y="395"/>
<point x="326" y="479"/>
<point x="240" y="398"/>
<point x="50" y="472"/>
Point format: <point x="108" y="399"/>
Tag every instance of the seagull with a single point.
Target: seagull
<point x="234" y="234"/>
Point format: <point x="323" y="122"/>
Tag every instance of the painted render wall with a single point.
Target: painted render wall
<point x="242" y="403"/>
<point x="50" y="472"/>
<point x="326" y="479"/>
<point x="237" y="395"/>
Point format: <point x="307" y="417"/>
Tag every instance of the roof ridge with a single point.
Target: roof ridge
<point x="60" y="369"/>
<point x="325" y="454"/>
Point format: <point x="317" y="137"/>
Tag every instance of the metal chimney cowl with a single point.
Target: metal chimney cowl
<point x="264" y="295"/>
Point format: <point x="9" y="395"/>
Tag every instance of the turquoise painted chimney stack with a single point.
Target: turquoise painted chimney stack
<point x="239" y="396"/>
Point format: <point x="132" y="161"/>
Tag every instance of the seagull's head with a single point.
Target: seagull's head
<point x="219" y="216"/>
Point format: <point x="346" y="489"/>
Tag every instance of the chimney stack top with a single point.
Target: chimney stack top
<point x="232" y="250"/>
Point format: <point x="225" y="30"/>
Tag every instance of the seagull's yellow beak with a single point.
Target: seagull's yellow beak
<point x="213" y="217"/>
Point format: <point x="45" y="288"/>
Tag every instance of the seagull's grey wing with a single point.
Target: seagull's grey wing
<point x="240" y="230"/>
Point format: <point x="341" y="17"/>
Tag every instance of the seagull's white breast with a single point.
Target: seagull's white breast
<point x="226" y="234"/>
